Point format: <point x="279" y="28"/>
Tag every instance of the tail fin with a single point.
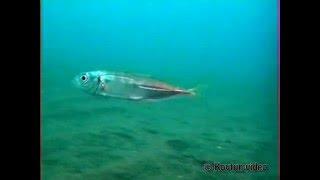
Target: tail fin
<point x="192" y="91"/>
<point x="196" y="91"/>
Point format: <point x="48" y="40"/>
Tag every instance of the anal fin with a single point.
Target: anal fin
<point x="136" y="97"/>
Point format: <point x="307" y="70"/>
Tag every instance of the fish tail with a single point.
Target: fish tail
<point x="192" y="91"/>
<point x="197" y="91"/>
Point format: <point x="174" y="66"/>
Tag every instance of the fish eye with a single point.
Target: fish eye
<point x="83" y="77"/>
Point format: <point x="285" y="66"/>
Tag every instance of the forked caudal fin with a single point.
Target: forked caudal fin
<point x="196" y="91"/>
<point x="191" y="91"/>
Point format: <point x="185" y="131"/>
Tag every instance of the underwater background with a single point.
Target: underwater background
<point x="227" y="48"/>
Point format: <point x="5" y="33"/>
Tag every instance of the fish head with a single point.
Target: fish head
<point x="87" y="81"/>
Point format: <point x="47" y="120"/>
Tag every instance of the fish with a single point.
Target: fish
<point x="127" y="86"/>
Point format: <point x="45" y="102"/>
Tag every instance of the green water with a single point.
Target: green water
<point x="226" y="48"/>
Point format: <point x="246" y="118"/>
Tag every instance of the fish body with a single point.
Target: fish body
<point x="126" y="86"/>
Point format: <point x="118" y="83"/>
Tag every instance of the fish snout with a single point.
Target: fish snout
<point x="75" y="82"/>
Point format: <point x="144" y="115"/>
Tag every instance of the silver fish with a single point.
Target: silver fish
<point x="126" y="86"/>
